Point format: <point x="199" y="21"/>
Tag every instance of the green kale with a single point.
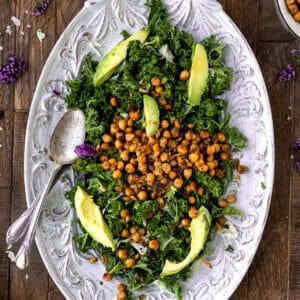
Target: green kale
<point x="229" y="248"/>
<point x="219" y="80"/>
<point x="236" y="139"/>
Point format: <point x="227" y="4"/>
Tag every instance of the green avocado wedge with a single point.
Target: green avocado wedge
<point x="151" y="111"/>
<point x="92" y="220"/>
<point x="199" y="229"/>
<point x="198" y="75"/>
<point x="112" y="60"/>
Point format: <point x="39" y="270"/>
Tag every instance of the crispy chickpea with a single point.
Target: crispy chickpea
<point x="164" y="124"/>
<point x="168" y="106"/>
<point x="129" y="137"/>
<point x="132" y="229"/>
<point x="167" y="134"/>
<point x="188" y="135"/>
<point x="164" y="181"/>
<point x="114" y="128"/>
<point x="172" y="175"/>
<point x="225" y="147"/>
<point x="200" y="191"/>
<point x="153" y="244"/>
<point x="142" y="168"/>
<point x="124" y="212"/>
<point x="175" y="132"/>
<point x="184" y="75"/>
<point x="222" y="221"/>
<point x="161" y="202"/>
<point x="221" y="137"/>
<point x="141" y="159"/>
<point x="130" y="123"/>
<point x="211" y="165"/>
<point x="166" y="168"/>
<point x="93" y="260"/>
<point x="119" y="135"/>
<point x="129" y="168"/>
<point x="121" y="287"/>
<point x="124" y="155"/>
<point x="104" y="260"/>
<point x="164" y="156"/>
<point x="224" y="155"/>
<point x="156" y="147"/>
<point x="155" y="81"/>
<point x="118" y="189"/>
<point x="185" y="222"/>
<point x="122" y="253"/>
<point x="212" y="172"/>
<point x="193" y="212"/>
<point x="122" y="124"/>
<point x="187" y="173"/>
<point x="163" y="142"/>
<point x="105" y="146"/>
<point x="113" y="101"/>
<point x="106" y="165"/>
<point x="132" y="148"/>
<point x="218" y="226"/>
<point x="220" y="173"/>
<point x="177" y="124"/>
<point x="106" y="138"/>
<point x="112" y="161"/>
<point x="142" y="195"/>
<point x="193" y="157"/>
<point x="203" y="168"/>
<point x="103" y="158"/>
<point x="118" y="144"/>
<point x="230" y="198"/>
<point x="129" y="263"/>
<point x="117" y="174"/>
<point x="142" y="231"/>
<point x="128" y="191"/>
<point x="204" y="134"/>
<point x="120" y="165"/>
<point x="222" y="203"/>
<point x="136" y="237"/>
<point x="182" y="149"/>
<point x="296" y="16"/>
<point x="107" y="277"/>
<point x="125" y="233"/>
<point x="162" y="102"/>
<point x="178" y="182"/>
<point x="150" y="177"/>
<point x="121" y="295"/>
<point x="134" y="115"/>
<point x="132" y="178"/>
<point x="127" y="219"/>
<point x="210" y="150"/>
<point x="217" y="147"/>
<point x="191" y="200"/>
<point x="159" y="89"/>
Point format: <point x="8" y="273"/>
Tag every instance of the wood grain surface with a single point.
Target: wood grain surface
<point x="275" y="271"/>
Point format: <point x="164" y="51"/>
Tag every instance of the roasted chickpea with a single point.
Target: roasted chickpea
<point x="122" y="253"/>
<point x="106" y="165"/>
<point x="150" y="177"/>
<point x="153" y="244"/>
<point x="127" y="218"/>
<point x="130" y="123"/>
<point x="129" y="263"/>
<point x="117" y="174"/>
<point x="222" y="221"/>
<point x="119" y="135"/>
<point x="212" y="172"/>
<point x="211" y="165"/>
<point x="210" y="150"/>
<point x="162" y="102"/>
<point x="129" y="137"/>
<point x="142" y="231"/>
<point x="121" y="295"/>
<point x="113" y="101"/>
<point x="124" y="212"/>
<point x="120" y="165"/>
<point x="224" y="155"/>
<point x="193" y="212"/>
<point x="163" y="142"/>
<point x="155" y="81"/>
<point x="121" y="287"/>
<point x="168" y="106"/>
<point x="132" y="229"/>
<point x="193" y="157"/>
<point x="188" y="135"/>
<point x="134" y="115"/>
<point x="105" y="146"/>
<point x="184" y="75"/>
<point x="93" y="260"/>
<point x="222" y="203"/>
<point x="187" y="173"/>
<point x="164" y="156"/>
<point x="122" y="124"/>
<point x="161" y="202"/>
<point x="129" y="168"/>
<point x="159" y="89"/>
<point x="204" y="134"/>
<point x="185" y="222"/>
<point x="106" y="138"/>
<point x="178" y="182"/>
<point x="118" y="144"/>
<point x="124" y="155"/>
<point x="132" y="178"/>
<point x="200" y="191"/>
<point x="164" y="124"/>
<point x="172" y="175"/>
<point x="167" y="134"/>
<point x="182" y="149"/>
<point x="203" y="168"/>
<point x="142" y="168"/>
<point x="191" y="200"/>
<point x="114" y="128"/>
<point x="125" y="233"/>
<point x="136" y="237"/>
<point x="177" y="124"/>
<point x="230" y="198"/>
<point x="164" y="181"/>
<point x="107" y="277"/>
<point x="142" y="195"/>
<point x="175" y="132"/>
<point x="118" y="189"/>
<point x="141" y="159"/>
<point x="166" y="168"/>
<point x="220" y="173"/>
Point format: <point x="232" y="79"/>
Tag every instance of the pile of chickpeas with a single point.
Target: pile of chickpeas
<point x="148" y="166"/>
<point x="294" y="8"/>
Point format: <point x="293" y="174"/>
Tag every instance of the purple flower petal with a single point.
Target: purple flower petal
<point x="85" y="150"/>
<point x="298" y="165"/>
<point x="40" y="8"/>
<point x="295" y="51"/>
<point x="287" y="73"/>
<point x="55" y="92"/>
<point x="296" y="144"/>
<point x="13" y="70"/>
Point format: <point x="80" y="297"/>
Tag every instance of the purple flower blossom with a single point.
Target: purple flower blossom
<point x="295" y="51"/>
<point x="85" y="150"/>
<point x="13" y="69"/>
<point x="41" y="7"/>
<point x="287" y="73"/>
<point x="296" y="144"/>
<point x="55" y="92"/>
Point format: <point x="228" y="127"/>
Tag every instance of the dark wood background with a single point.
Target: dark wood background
<point x="275" y="271"/>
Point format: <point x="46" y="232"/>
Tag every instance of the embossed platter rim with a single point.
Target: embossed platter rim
<point x="102" y="20"/>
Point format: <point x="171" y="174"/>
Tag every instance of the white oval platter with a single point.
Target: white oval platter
<point x="96" y="29"/>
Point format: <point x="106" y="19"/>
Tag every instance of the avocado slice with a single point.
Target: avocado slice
<point x="199" y="229"/>
<point x="198" y="75"/>
<point x="111" y="61"/>
<point x="151" y="112"/>
<point x="92" y="220"/>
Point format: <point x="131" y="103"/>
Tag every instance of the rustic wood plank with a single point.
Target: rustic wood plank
<point x="294" y="230"/>
<point x="269" y="25"/>
<point x="4" y="224"/>
<point x="23" y="284"/>
<point x="53" y="292"/>
<point x="35" y="52"/>
<point x="244" y="14"/>
<point x="268" y="274"/>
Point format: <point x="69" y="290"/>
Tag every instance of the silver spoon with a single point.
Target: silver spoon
<point x="68" y="133"/>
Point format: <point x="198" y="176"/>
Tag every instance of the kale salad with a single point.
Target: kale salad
<point x="157" y="158"/>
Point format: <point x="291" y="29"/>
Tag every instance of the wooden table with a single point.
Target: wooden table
<point x="275" y="271"/>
